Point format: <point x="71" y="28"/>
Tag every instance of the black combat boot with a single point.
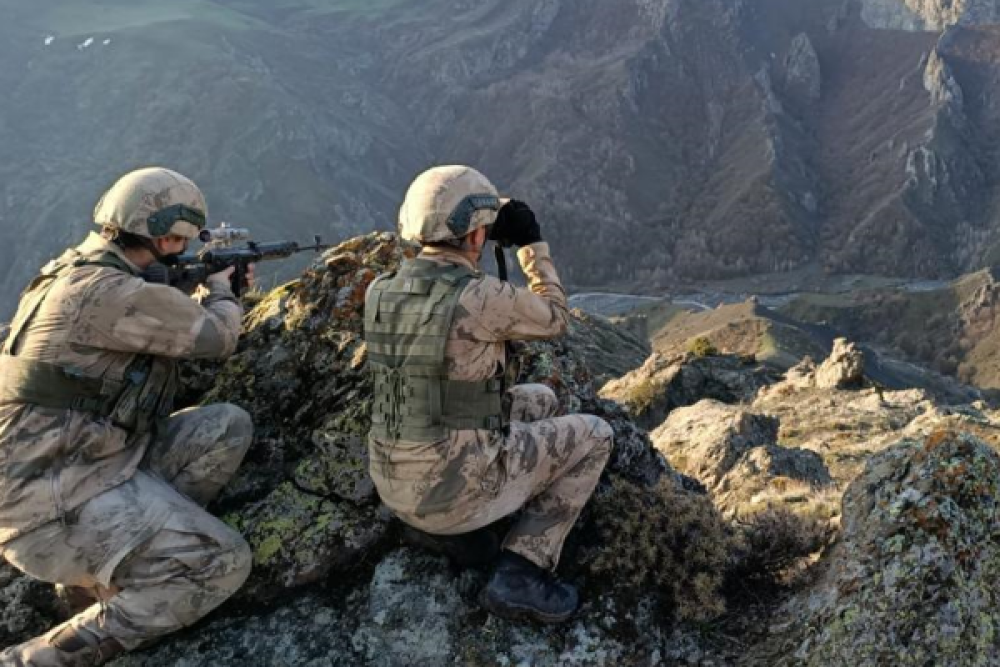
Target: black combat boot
<point x="520" y="589"/>
<point x="74" y="599"/>
<point x="63" y="646"/>
<point x="476" y="549"/>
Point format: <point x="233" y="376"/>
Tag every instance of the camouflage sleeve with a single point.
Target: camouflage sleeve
<point x="131" y="315"/>
<point x="507" y="312"/>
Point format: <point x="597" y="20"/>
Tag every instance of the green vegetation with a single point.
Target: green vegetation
<point x="643" y="394"/>
<point x="702" y="347"/>
<point x="665" y="540"/>
<point x="677" y="544"/>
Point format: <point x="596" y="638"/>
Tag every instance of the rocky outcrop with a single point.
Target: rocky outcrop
<point x="653" y="558"/>
<point x="707" y="439"/>
<point x="931" y="15"/>
<point x="913" y="580"/>
<point x="941" y="84"/>
<point x="303" y="497"/>
<point x="736" y="455"/>
<point x="803" y="76"/>
<point x="416" y="611"/>
<point x="663" y="383"/>
<point x="844" y="368"/>
<point x="609" y="350"/>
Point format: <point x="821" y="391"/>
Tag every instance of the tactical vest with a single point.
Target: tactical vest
<point x="136" y="400"/>
<point x="408" y="315"/>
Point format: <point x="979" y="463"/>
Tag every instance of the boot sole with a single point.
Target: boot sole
<point x="517" y="613"/>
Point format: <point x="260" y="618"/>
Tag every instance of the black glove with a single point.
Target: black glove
<point x="515" y="225"/>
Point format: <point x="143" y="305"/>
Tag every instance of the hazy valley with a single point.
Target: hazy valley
<point x="661" y="142"/>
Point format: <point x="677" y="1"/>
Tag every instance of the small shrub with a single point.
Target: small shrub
<point x="643" y="394"/>
<point x="666" y="540"/>
<point x="702" y="347"/>
<point x="774" y="540"/>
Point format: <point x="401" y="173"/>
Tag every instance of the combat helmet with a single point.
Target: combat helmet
<point x="446" y="203"/>
<point x="153" y="202"/>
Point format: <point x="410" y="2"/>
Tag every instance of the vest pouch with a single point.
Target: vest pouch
<point x="147" y="396"/>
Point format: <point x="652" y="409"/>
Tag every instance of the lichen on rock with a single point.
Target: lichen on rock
<point x="913" y="580"/>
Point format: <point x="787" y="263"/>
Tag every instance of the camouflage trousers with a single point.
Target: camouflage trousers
<point x="547" y="467"/>
<point x="161" y="560"/>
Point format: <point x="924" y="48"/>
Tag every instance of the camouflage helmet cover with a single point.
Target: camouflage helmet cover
<point x="153" y="202"/>
<point x="447" y="202"/>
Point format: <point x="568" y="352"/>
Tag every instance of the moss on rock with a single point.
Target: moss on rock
<point x="914" y="580"/>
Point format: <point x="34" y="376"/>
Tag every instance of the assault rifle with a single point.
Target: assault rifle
<point x="220" y="253"/>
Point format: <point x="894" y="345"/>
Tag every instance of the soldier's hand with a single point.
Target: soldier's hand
<point x="516" y="224"/>
<point x="250" y="275"/>
<point x="224" y="274"/>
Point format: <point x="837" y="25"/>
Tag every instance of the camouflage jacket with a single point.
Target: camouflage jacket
<point x="96" y="319"/>
<point x="489" y="312"/>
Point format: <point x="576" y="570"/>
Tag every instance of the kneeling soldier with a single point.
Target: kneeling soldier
<point x="446" y="455"/>
<point x="101" y="487"/>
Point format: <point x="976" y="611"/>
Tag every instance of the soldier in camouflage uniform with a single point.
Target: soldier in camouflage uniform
<point x="453" y="448"/>
<point x="101" y="487"/>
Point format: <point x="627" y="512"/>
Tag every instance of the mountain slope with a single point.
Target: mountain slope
<point x="660" y="142"/>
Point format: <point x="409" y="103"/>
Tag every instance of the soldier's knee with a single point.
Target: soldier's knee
<point x="243" y="563"/>
<point x="238" y="422"/>
<point x="541" y="392"/>
<point x="237" y="562"/>
<point x="548" y="398"/>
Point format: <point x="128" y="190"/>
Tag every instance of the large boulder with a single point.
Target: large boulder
<point x="914" y="579"/>
<point x="735" y="454"/>
<point x="303" y="497"/>
<point x="843" y="369"/>
<point x="663" y="383"/>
